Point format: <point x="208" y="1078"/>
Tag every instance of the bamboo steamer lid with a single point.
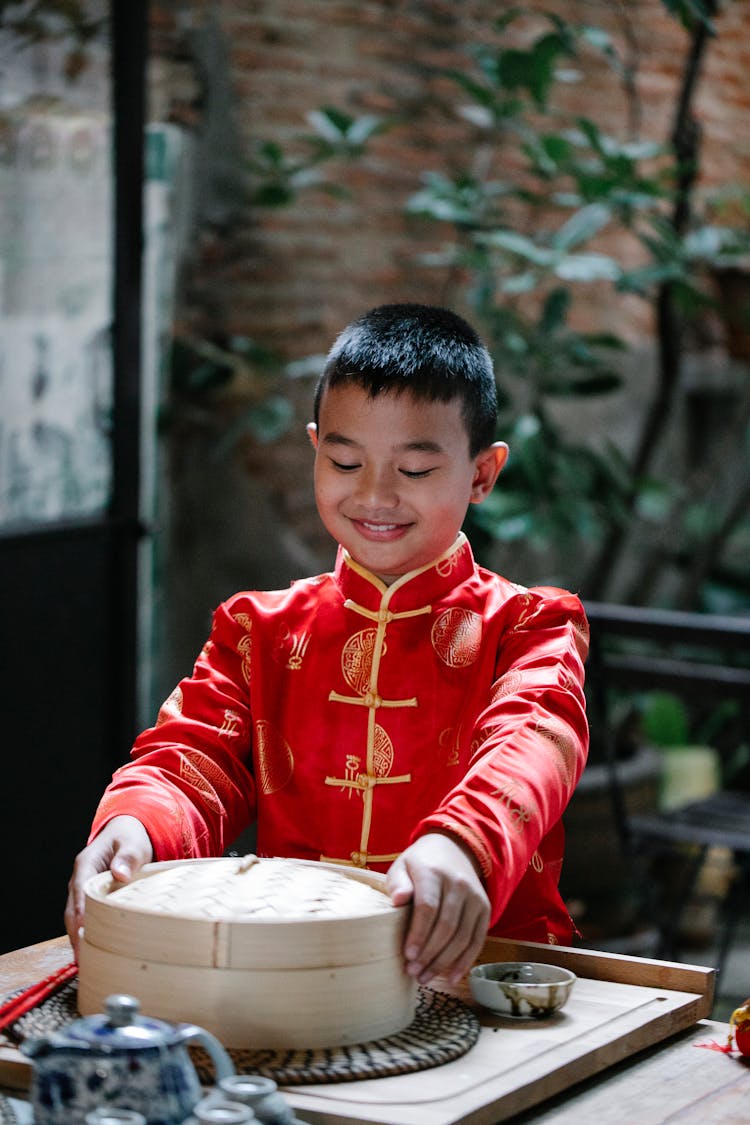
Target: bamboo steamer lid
<point x="261" y="952"/>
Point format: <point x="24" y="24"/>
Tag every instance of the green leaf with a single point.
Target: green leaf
<point x="653" y="501"/>
<point x="266" y="422"/>
<point x="606" y="340"/>
<point x="711" y="243"/>
<point x="582" y="226"/>
<point x="253" y="352"/>
<point x="331" y="123"/>
<point x="556" y="146"/>
<point x="365" y="127"/>
<point x="555" y="311"/>
<point x="664" y="720"/>
<point x="272" y="195"/>
<point x="599" y="38"/>
<point x="518" y="283"/>
<point x="643" y="279"/>
<point x="527" y="426"/>
<point x="482" y="95"/>
<point x="689" y="12"/>
<point x="272" y="153"/>
<point x="520" y="245"/>
<point x="512" y="68"/>
<point x="505" y="515"/>
<point x="590" y="130"/>
<point x="588" y="267"/>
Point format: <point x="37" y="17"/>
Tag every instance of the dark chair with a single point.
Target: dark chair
<point x="705" y="659"/>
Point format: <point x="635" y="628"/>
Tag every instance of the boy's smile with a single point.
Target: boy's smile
<point x="394" y="478"/>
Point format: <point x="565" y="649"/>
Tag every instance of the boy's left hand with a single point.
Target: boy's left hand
<point x="451" y="910"/>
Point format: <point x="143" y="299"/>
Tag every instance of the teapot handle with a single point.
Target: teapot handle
<point x="222" y="1062"/>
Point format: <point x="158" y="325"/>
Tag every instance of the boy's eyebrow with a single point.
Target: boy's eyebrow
<point x="423" y="446"/>
<point x="333" y="437"/>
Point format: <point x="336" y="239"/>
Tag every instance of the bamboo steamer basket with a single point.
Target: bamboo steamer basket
<point x="271" y="953"/>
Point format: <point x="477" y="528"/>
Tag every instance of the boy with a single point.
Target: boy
<point x="410" y="712"/>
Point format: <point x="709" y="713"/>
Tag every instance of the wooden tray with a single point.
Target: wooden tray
<point x="619" y="1006"/>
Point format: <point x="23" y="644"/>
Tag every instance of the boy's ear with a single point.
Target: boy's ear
<point x="487" y="468"/>
<point x="312" y="433"/>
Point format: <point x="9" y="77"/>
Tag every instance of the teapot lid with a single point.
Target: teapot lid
<point x="120" y="1027"/>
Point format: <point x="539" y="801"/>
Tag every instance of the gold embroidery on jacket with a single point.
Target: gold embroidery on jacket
<point x="449" y="741"/>
<point x="472" y="839"/>
<point x="457" y="637"/>
<point x="231" y="725"/>
<point x="445" y="566"/>
<point x="527" y="601"/>
<point x="582" y="632"/>
<point x="290" y="648"/>
<point x="382" y="752"/>
<point x="201" y="772"/>
<point x="568" y="681"/>
<point x="294" y="663"/>
<point x="478" y="740"/>
<point x="171" y="707"/>
<point x="506" y="685"/>
<point x="520" y="814"/>
<point x="245" y="644"/>
<point x="565" y="746"/>
<point x="356" y="659"/>
<point x="351" y="771"/>
<point x="355" y="780"/>
<point x="275" y="758"/>
<point x="189" y="839"/>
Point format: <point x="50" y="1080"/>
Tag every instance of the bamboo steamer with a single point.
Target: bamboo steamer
<point x="270" y="953"/>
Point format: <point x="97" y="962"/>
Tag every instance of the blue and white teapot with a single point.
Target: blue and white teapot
<point x="121" y="1059"/>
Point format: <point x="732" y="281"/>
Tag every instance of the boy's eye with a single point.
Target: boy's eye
<point x="342" y="467"/>
<point x="415" y="474"/>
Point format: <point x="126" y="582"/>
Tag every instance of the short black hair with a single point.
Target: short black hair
<point x="431" y="352"/>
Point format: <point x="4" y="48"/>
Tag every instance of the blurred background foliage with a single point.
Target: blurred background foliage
<point x="529" y="246"/>
<point x="522" y="240"/>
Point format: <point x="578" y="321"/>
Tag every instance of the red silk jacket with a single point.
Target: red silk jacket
<point x="348" y="718"/>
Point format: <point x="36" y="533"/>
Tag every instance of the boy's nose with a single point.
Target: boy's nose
<point x="377" y="489"/>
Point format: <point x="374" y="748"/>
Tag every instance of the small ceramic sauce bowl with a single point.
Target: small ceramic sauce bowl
<point x="522" y="989"/>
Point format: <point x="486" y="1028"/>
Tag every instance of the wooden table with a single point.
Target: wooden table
<point x="601" y="1081"/>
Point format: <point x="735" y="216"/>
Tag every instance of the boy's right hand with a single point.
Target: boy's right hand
<point x="122" y="846"/>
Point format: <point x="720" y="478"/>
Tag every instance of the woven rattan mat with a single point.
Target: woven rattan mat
<point x="444" y="1028"/>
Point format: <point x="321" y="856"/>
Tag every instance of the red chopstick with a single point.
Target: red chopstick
<point x="23" y="1002"/>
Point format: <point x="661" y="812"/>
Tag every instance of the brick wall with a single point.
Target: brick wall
<point x="294" y="276"/>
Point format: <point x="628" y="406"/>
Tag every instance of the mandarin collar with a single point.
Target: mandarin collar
<point x="418" y="588"/>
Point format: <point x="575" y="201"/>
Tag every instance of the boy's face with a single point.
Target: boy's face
<point x="393" y="476"/>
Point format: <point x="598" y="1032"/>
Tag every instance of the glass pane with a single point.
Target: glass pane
<point x="56" y="264"/>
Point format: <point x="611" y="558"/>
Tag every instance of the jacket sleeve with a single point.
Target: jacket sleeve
<point x="531" y="742"/>
<point x="188" y="780"/>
